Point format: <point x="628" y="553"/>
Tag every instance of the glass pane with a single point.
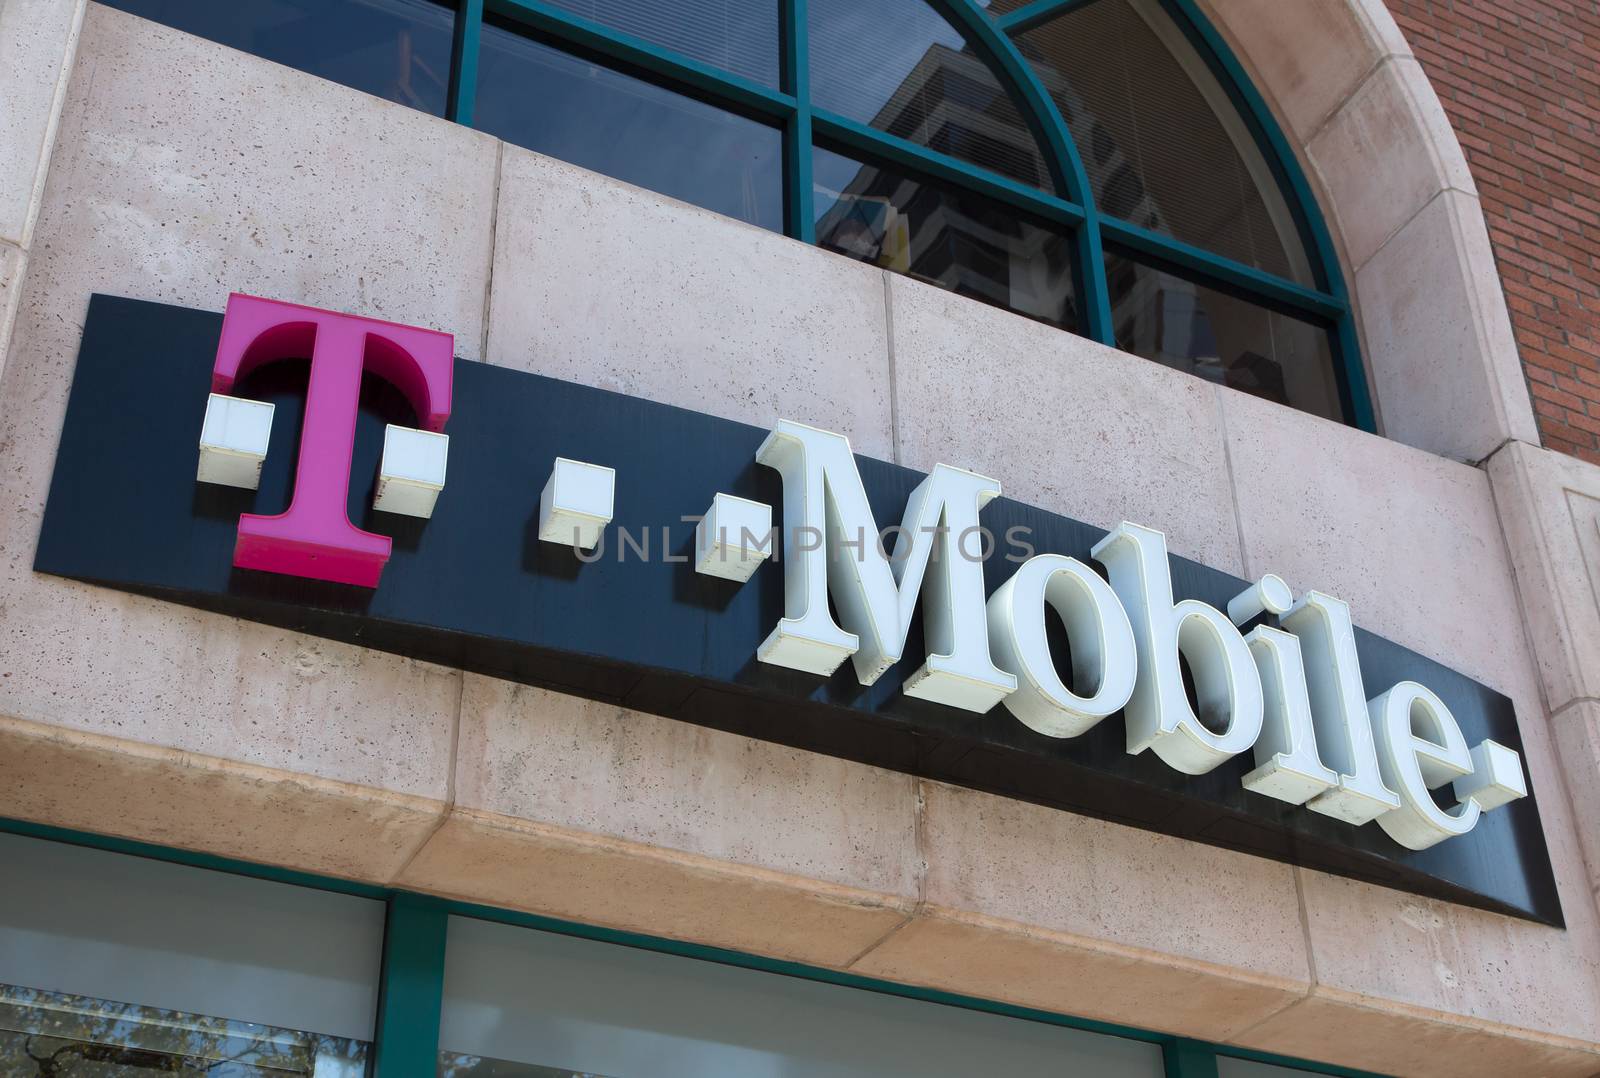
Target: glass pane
<point x="635" y="131"/>
<point x="460" y="1065"/>
<point x="107" y="926"/>
<point x="554" y="1005"/>
<point x="900" y="67"/>
<point x="740" y="36"/>
<point x="396" y="49"/>
<point x="53" y="1035"/>
<point x="996" y="8"/>
<point x="946" y="237"/>
<point x="1228" y="1067"/>
<point x="1222" y="339"/>
<point x="1163" y="146"/>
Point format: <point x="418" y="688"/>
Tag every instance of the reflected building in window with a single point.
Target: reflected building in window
<point x="1168" y="152"/>
<point x="959" y="241"/>
<point x="1164" y="152"/>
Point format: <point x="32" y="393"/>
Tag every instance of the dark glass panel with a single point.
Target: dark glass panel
<point x="1162" y="143"/>
<point x="740" y="36"/>
<point x="396" y="49"/>
<point x="558" y="104"/>
<point x="1221" y="338"/>
<point x="946" y="237"/>
<point x="900" y="67"/>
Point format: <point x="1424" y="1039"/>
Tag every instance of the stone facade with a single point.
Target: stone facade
<point x="179" y="170"/>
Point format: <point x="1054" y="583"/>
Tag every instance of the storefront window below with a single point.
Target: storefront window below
<point x="575" y="1008"/>
<point x="53" y="1035"/>
<point x="1221" y="338"/>
<point x="457" y="1065"/>
<point x="1229" y="1067"/>
<point x="117" y="966"/>
<point x="948" y="238"/>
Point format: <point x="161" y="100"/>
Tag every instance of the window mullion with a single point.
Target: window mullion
<point x="464" y="61"/>
<point x="919" y="160"/>
<point x="1352" y="374"/>
<point x="411" y="988"/>
<point x="681" y="73"/>
<point x="1226" y="274"/>
<point x="1096" y="293"/>
<point x="1185" y="1058"/>
<point x="800" y="219"/>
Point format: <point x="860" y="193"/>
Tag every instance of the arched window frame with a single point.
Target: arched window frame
<point x="1069" y="203"/>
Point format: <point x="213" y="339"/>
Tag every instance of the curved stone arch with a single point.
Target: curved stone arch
<point x="1392" y="181"/>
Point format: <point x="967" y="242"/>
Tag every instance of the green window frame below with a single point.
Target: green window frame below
<point x="411" y="987"/>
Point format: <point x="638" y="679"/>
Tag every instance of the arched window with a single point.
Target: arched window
<point x="1100" y="165"/>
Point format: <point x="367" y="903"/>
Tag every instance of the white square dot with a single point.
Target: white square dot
<point x="576" y="504"/>
<point x="413" y="470"/>
<point x="233" y="441"/>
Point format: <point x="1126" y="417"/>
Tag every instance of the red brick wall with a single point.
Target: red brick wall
<point x="1520" y="80"/>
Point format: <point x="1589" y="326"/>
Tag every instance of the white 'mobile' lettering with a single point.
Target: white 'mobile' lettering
<point x="1294" y="693"/>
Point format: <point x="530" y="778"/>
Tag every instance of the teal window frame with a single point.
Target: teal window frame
<point x="1069" y="202"/>
<point x="411" y="981"/>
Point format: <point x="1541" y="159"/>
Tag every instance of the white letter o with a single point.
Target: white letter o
<point x="1103" y="653"/>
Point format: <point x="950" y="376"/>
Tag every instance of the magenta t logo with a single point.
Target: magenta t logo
<point x="314" y="537"/>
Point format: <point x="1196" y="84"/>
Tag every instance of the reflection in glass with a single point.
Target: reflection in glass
<point x="546" y="100"/>
<point x="396" y="49"/>
<point x="459" y="1065"/>
<point x="513" y="993"/>
<point x="996" y="8"/>
<point x="949" y="238"/>
<point x="1221" y="338"/>
<point x="53" y="1035"/>
<point x="900" y="67"/>
<point x="1164" y="147"/>
<point x="740" y="36"/>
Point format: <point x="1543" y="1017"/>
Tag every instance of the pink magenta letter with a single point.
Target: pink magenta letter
<point x="315" y="538"/>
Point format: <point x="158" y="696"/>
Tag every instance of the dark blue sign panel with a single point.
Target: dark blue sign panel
<point x="475" y="588"/>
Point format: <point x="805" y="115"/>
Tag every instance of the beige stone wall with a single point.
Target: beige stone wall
<point x="1550" y="509"/>
<point x="37" y="42"/>
<point x="183" y="170"/>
